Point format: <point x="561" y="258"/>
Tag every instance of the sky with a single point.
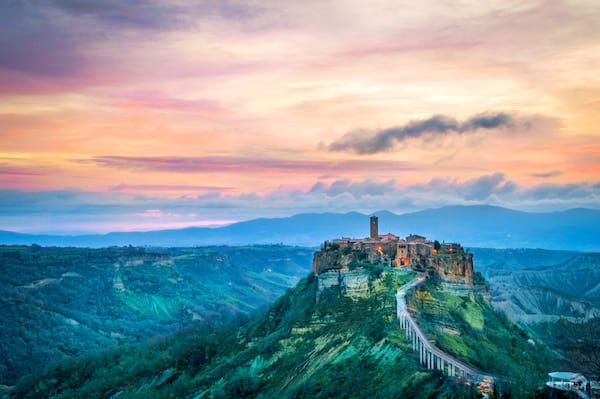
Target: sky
<point x="150" y="114"/>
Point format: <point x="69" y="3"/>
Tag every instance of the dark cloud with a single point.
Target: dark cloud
<point x="31" y="42"/>
<point x="545" y="175"/>
<point x="385" y="139"/>
<point x="483" y="187"/>
<point x="356" y="189"/>
<point x="478" y="189"/>
<point x="48" y="40"/>
<point x="156" y="14"/>
<point x="563" y="192"/>
<point x="139" y="14"/>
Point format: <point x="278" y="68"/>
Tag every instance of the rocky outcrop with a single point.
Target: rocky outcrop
<point x="453" y="267"/>
<point x="326" y="260"/>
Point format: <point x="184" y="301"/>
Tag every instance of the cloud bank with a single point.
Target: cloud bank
<point x="81" y="211"/>
<point x="364" y="142"/>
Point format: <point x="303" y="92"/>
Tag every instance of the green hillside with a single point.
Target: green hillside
<point x="554" y="295"/>
<point x="470" y="329"/>
<point x="59" y="303"/>
<point x="310" y="343"/>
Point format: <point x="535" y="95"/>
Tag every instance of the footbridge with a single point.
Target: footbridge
<point x="430" y="356"/>
<point x="570" y="382"/>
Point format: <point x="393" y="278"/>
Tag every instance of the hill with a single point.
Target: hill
<point x="554" y="295"/>
<point x="314" y="341"/>
<point x="474" y="226"/>
<point x="58" y="303"/>
<point x="533" y="285"/>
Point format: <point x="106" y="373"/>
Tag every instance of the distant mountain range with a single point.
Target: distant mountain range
<point x="472" y="226"/>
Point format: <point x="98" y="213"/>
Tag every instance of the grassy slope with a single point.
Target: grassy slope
<point x="471" y="330"/>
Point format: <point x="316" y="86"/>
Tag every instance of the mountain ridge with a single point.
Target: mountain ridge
<point x="474" y="226"/>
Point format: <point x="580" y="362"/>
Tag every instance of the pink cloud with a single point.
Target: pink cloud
<point x="241" y="164"/>
<point x="161" y="187"/>
<point x="158" y="101"/>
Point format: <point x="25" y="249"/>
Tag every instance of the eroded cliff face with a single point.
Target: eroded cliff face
<point x="447" y="267"/>
<point x="327" y="260"/>
<point x="453" y="268"/>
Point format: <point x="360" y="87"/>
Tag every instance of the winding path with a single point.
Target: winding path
<point x="429" y="356"/>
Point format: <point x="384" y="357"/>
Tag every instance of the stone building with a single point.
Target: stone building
<point x="449" y="262"/>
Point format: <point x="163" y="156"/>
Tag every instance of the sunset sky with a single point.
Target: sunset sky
<point x="148" y="114"/>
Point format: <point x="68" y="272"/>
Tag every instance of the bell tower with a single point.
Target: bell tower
<point x="374" y="228"/>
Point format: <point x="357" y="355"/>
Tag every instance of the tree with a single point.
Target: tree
<point x="580" y="339"/>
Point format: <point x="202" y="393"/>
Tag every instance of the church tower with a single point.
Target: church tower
<point x="374" y="228"/>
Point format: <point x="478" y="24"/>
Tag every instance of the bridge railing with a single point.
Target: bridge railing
<point x="567" y="386"/>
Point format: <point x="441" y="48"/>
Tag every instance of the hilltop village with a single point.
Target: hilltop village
<point x="447" y="261"/>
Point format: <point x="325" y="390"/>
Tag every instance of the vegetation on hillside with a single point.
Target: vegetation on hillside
<point x="59" y="303"/>
<point x="308" y="344"/>
<point x="554" y="296"/>
<point x="577" y="341"/>
<point x="470" y="329"/>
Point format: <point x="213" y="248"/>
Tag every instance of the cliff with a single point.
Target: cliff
<point x="454" y="267"/>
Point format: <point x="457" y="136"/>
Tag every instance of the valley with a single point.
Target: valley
<point x="58" y="303"/>
<point x="191" y="323"/>
<point x="314" y="341"/>
<point x="534" y="285"/>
